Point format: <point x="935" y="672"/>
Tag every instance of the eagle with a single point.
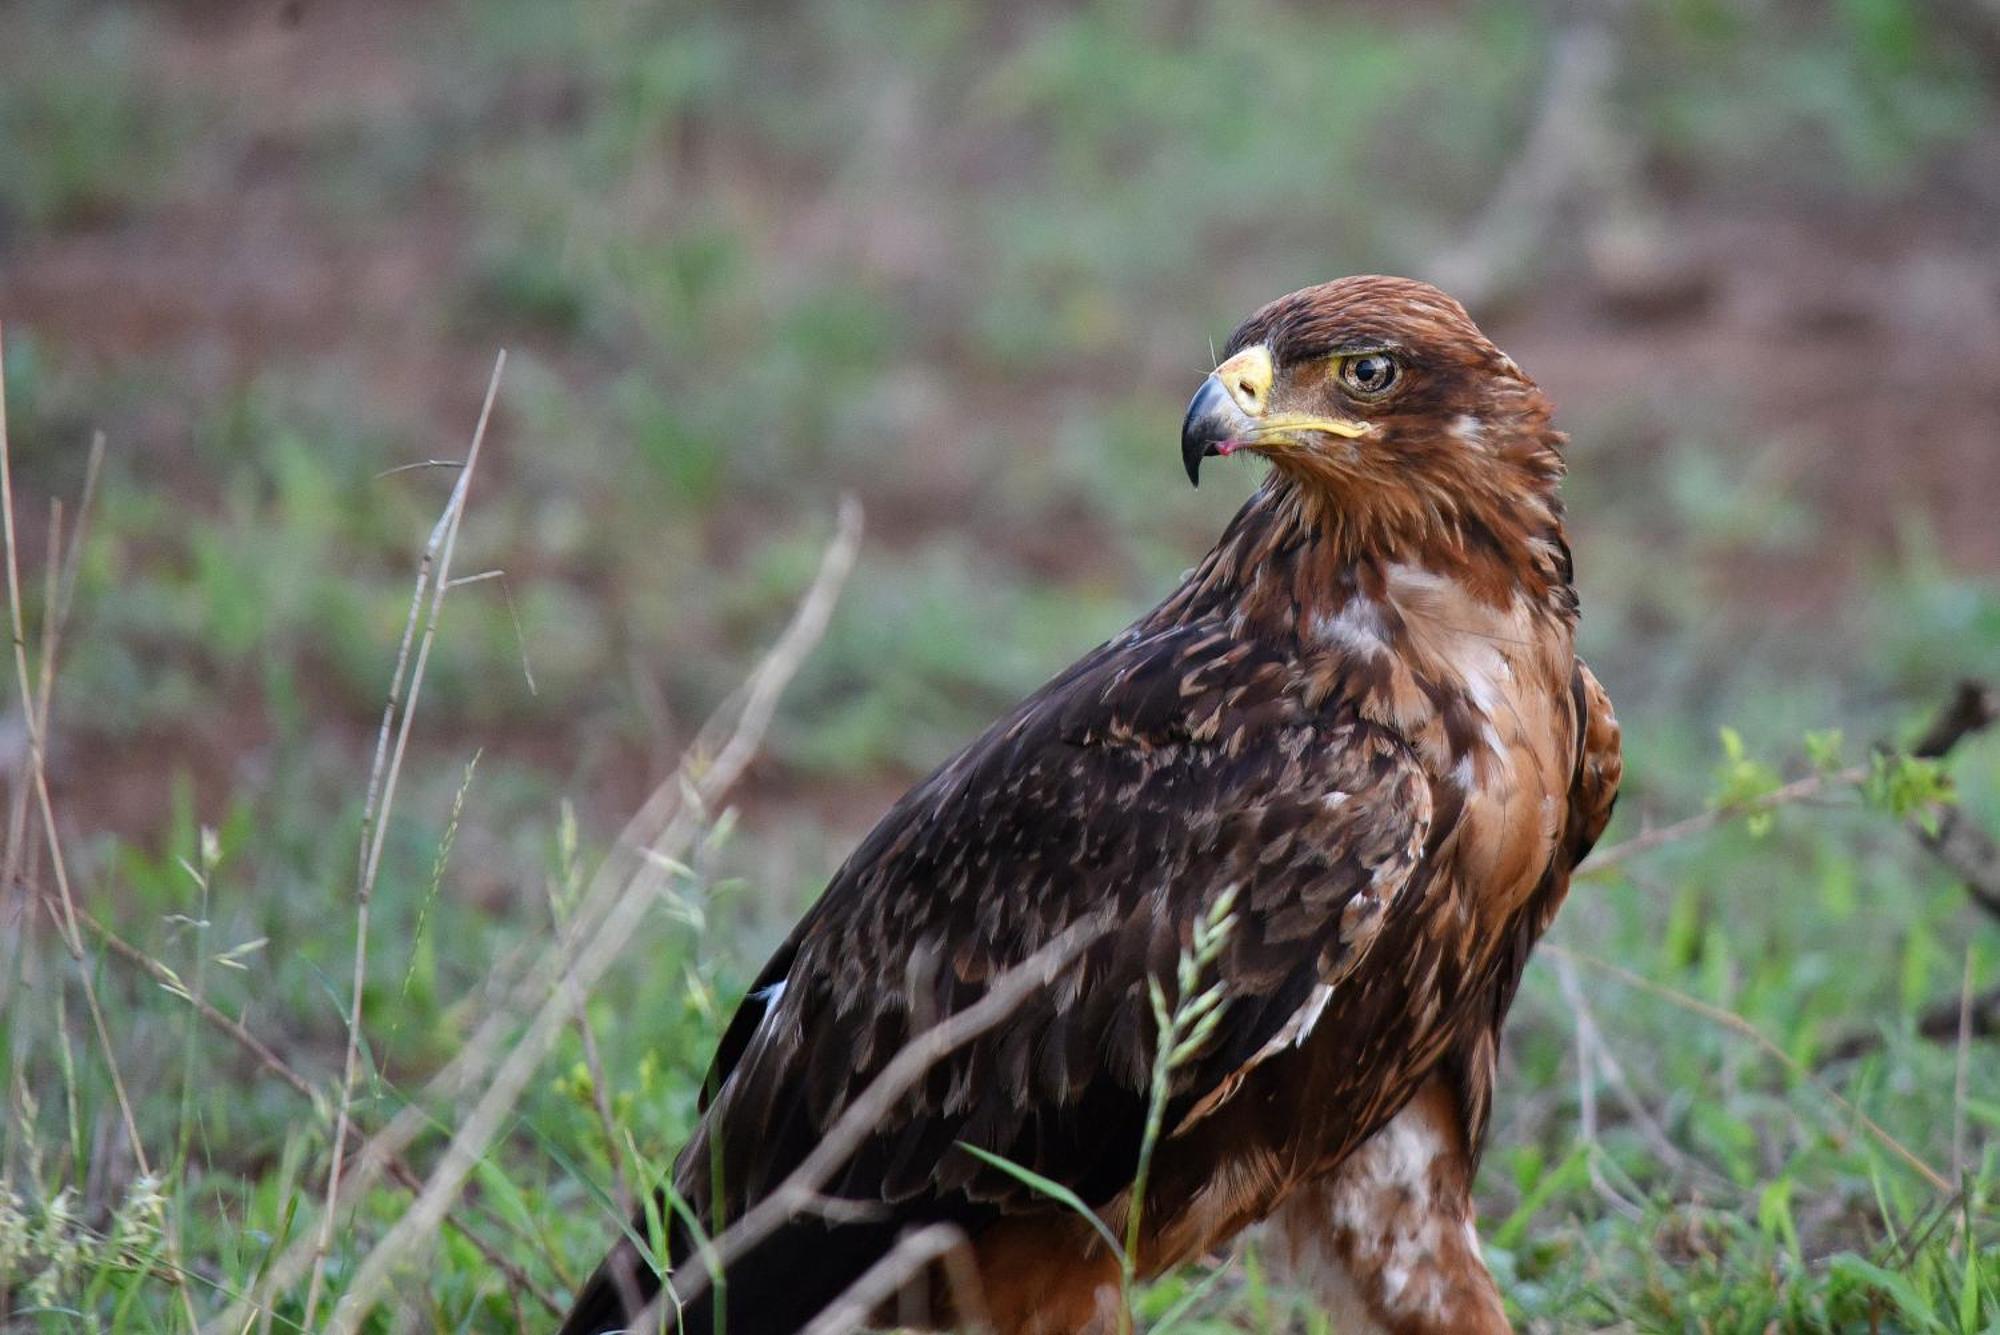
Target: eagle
<point x="1354" y="754"/>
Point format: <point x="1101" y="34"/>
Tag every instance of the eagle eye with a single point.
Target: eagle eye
<point x="1369" y="375"/>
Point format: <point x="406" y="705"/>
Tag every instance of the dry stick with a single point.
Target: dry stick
<point x="466" y="1067"/>
<point x="17" y="870"/>
<point x="1973" y="708"/>
<point x="409" y="1236"/>
<point x="1957" y="840"/>
<point x="653" y="825"/>
<point x="1970" y="852"/>
<point x="38" y="762"/>
<point x="1568" y="150"/>
<point x="1731" y="1020"/>
<point x="629" y="899"/>
<point x="434" y="570"/>
<point x="799" y="1191"/>
<point x="1612" y="1071"/>
<point x="1588" y="1041"/>
<point x="908" y="1259"/>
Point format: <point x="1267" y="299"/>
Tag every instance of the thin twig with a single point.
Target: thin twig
<point x="1957" y="839"/>
<point x="910" y="1257"/>
<point x="22" y="865"/>
<point x="860" y="1118"/>
<point x="421" y="463"/>
<point x="1588" y="1042"/>
<point x="1970" y="852"/>
<point x="1736" y="1023"/>
<point x="1603" y="860"/>
<point x="435" y="571"/>
<point x="1973" y="707"/>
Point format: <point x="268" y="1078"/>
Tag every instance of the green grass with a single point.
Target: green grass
<point x="966" y="266"/>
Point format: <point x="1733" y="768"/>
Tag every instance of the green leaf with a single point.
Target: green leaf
<point x="1572" y="1171"/>
<point x="1908" y="786"/>
<point x="1823" y="749"/>
<point x="1742" y="781"/>
<point x="1897" y="1288"/>
<point x="1051" y="1188"/>
<point x="1187" y="1300"/>
<point x="1968" y="1293"/>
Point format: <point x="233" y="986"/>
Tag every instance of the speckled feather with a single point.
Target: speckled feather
<point x="1363" y="713"/>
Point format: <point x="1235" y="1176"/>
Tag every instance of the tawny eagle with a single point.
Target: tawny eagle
<point x="1361" y="716"/>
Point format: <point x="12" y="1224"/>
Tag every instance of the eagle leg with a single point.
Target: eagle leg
<point x="1386" y="1240"/>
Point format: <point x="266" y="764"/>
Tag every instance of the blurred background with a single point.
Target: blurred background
<point x="967" y="263"/>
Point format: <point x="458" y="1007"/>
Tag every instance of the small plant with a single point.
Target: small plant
<point x="1183" y="1030"/>
<point x="1742" y="781"/>
<point x="1907" y="786"/>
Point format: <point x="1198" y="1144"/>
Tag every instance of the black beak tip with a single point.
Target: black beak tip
<point x="1203" y="426"/>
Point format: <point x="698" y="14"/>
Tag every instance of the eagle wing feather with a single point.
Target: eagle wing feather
<point x="1159" y="771"/>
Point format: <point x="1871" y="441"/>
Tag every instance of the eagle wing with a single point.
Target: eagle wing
<point x="1159" y="771"/>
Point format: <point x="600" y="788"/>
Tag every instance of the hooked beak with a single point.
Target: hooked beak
<point x="1214" y="425"/>
<point x="1232" y="410"/>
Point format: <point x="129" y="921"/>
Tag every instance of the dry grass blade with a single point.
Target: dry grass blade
<point x="20" y="864"/>
<point x="434" y="576"/>
<point x="34" y="709"/>
<point x="239" y="1033"/>
<point x="1962" y="1075"/>
<point x="1732" y="1021"/>
<point x="606" y="932"/>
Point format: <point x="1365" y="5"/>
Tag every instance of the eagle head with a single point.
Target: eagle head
<point x="1379" y="394"/>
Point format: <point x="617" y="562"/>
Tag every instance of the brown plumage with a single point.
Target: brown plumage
<point x="1364" y="713"/>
